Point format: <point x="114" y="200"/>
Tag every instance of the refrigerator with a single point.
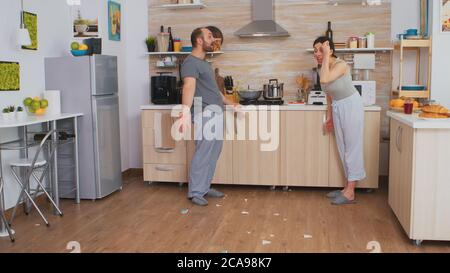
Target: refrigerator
<point x="89" y="85"/>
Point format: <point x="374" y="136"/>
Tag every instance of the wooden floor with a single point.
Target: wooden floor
<point x="144" y="218"/>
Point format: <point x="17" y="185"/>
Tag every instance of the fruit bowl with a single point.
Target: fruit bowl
<point x="38" y="112"/>
<point x="35" y="106"/>
<point x="78" y="53"/>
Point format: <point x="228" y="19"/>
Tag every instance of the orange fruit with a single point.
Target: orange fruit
<point x="40" y="111"/>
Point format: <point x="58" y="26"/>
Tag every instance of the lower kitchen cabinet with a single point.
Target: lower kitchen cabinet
<point x="302" y="156"/>
<point x="252" y="165"/>
<point x="305" y="149"/>
<point x="419" y="180"/>
<point x="371" y="155"/>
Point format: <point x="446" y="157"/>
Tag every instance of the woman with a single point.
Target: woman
<point x="345" y="113"/>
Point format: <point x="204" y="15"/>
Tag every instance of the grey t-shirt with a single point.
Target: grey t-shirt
<point x="206" y="85"/>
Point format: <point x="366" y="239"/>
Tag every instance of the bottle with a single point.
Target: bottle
<point x="329" y="32"/>
<point x="170" y="48"/>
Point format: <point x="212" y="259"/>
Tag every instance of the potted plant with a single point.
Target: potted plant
<point x="20" y="114"/>
<point x="8" y="112"/>
<point x="151" y="43"/>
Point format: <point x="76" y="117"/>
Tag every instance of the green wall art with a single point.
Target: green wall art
<point x="9" y="76"/>
<point x="30" y="21"/>
<point x="114" y="21"/>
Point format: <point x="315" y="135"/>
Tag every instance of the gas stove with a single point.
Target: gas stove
<point x="261" y="102"/>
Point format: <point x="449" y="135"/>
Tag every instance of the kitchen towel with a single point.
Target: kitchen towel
<point x="54" y="102"/>
<point x="162" y="131"/>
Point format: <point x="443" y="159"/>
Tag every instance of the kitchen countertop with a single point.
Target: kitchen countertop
<point x="417" y="123"/>
<point x="285" y="107"/>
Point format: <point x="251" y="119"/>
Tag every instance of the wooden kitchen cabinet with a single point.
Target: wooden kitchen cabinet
<point x="304" y="149"/>
<point x="400" y="172"/>
<point x="419" y="180"/>
<point x="161" y="165"/>
<point x="371" y="155"/>
<point x="252" y="165"/>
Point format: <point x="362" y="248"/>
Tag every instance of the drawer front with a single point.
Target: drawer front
<point x="154" y="156"/>
<point x="148" y="117"/>
<point x="148" y="138"/>
<point x="165" y="172"/>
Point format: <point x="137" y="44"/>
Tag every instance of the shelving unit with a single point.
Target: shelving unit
<point x="416" y="45"/>
<point x="359" y="50"/>
<point x="161" y="54"/>
<point x="185" y="6"/>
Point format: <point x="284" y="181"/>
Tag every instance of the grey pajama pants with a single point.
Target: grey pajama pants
<point x="348" y="120"/>
<point x="207" y="152"/>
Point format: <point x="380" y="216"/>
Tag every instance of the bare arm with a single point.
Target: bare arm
<point x="328" y="75"/>
<point x="188" y="92"/>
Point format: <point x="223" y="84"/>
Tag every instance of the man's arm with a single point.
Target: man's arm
<point x="188" y="92"/>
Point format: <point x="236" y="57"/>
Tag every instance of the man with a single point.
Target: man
<point x="199" y="82"/>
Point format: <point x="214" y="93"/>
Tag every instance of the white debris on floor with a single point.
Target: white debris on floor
<point x="307" y="236"/>
<point x="37" y="225"/>
<point x="245" y="212"/>
<point x="276" y="214"/>
<point x="271" y="235"/>
<point x="245" y="199"/>
<point x="218" y="205"/>
<point x="285" y="219"/>
<point x="266" y="242"/>
<point x="249" y="232"/>
<point x="224" y="251"/>
<point x="184" y="211"/>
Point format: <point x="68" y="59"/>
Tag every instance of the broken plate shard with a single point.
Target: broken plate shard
<point x="265" y="242"/>
<point x="245" y="212"/>
<point x="307" y="236"/>
<point x="184" y="211"/>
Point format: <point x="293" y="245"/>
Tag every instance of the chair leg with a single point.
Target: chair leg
<point x="39" y="181"/>
<point x="13" y="215"/>
<point x="29" y="197"/>
<point x="11" y="235"/>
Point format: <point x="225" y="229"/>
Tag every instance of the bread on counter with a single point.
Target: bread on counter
<point x="435" y="109"/>
<point x="433" y="115"/>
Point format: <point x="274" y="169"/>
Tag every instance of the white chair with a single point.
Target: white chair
<point x="31" y="168"/>
<point x="3" y="218"/>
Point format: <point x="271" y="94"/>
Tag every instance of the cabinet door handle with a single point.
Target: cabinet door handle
<point x="324" y="122"/>
<point x="164" y="169"/>
<point x="165" y="150"/>
<point x="401" y="139"/>
<point x="397" y="138"/>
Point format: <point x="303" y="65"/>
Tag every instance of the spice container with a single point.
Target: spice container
<point x="353" y="42"/>
<point x="370" y="40"/>
<point x="362" y="42"/>
<point x="177" y="44"/>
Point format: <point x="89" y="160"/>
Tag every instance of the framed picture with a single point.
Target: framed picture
<point x="424" y="17"/>
<point x="445" y="16"/>
<point x="9" y="76"/>
<point x="30" y="22"/>
<point x="114" y="21"/>
<point x="85" y="22"/>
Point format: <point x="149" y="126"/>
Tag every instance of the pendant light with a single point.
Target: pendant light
<point x="23" y="36"/>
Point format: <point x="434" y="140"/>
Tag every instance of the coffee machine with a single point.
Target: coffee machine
<point x="164" y="89"/>
<point x="316" y="95"/>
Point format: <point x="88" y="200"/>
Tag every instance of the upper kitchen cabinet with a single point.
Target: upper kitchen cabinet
<point x="371" y="155"/>
<point x="304" y="149"/>
<point x="251" y="164"/>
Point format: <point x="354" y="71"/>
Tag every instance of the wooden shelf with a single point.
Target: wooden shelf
<point x="413" y="43"/>
<point x="359" y="50"/>
<point x="211" y="54"/>
<point x="185" y="6"/>
<point x="412" y="94"/>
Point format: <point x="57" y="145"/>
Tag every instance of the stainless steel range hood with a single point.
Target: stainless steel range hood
<point x="263" y="24"/>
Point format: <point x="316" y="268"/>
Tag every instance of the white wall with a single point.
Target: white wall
<point x="440" y="79"/>
<point x="55" y="36"/>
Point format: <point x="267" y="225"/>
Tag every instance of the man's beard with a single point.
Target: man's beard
<point x="207" y="48"/>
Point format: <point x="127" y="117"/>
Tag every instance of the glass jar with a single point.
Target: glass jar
<point x="177" y="45"/>
<point x="362" y="42"/>
<point x="353" y="42"/>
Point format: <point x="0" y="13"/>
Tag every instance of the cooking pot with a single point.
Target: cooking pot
<point x="273" y="90"/>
